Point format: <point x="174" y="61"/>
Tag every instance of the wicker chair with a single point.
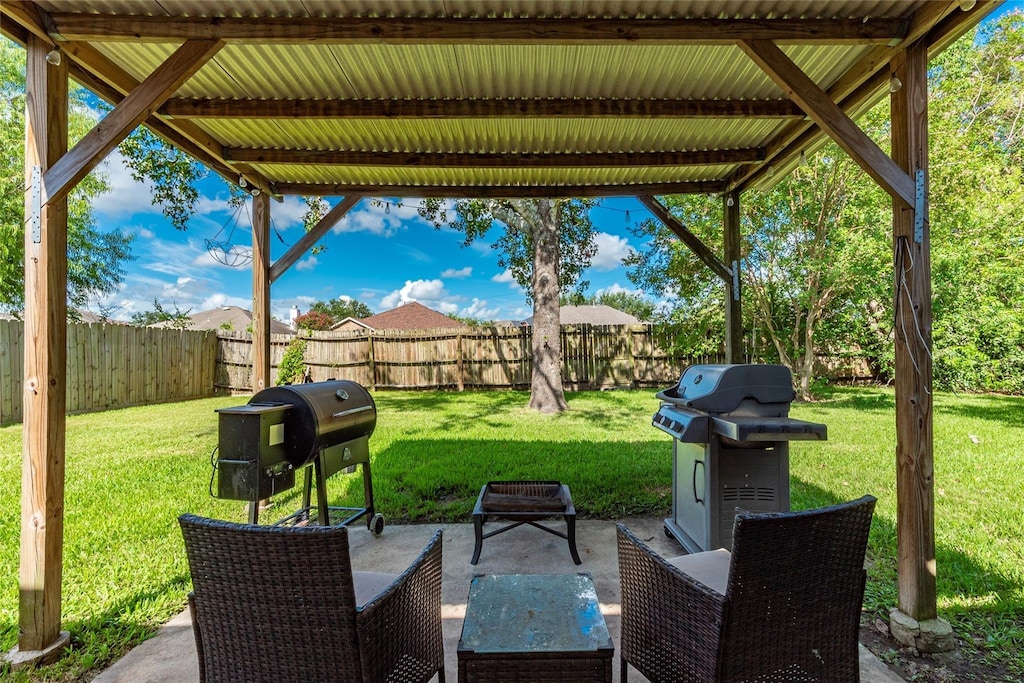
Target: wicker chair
<point x="784" y="606"/>
<point x="279" y="604"/>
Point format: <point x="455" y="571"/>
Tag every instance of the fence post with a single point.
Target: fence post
<point x="371" y="362"/>
<point x="459" y="366"/>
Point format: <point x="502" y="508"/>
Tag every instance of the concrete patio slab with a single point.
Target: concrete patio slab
<point x="169" y="656"/>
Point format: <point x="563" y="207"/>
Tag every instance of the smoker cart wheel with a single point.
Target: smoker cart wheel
<point x="667" y="532"/>
<point x="377" y="525"/>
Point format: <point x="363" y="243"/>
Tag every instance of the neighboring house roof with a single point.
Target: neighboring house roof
<point x="594" y="315"/>
<point x="350" y="323"/>
<point x="410" y="316"/>
<point x="228" y="317"/>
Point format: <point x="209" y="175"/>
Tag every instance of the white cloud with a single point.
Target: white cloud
<point x="307" y="264"/>
<point x="126" y="196"/>
<point x="506" y="278"/>
<point x="611" y="249"/>
<point x="430" y="293"/>
<point x="146" y="233"/>
<point x="616" y="288"/>
<point x="452" y="273"/>
<point x="478" y="309"/>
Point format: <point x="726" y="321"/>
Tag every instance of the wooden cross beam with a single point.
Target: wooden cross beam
<point x="133" y="110"/>
<point x="831" y="118"/>
<point x="688" y="238"/>
<point x="310" y="238"/>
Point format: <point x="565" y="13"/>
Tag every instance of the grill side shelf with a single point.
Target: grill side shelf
<point x="768" y="429"/>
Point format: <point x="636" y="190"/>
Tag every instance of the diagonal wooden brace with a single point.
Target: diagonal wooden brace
<point x="119" y="123"/>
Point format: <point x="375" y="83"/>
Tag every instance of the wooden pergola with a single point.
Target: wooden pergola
<point x="477" y="98"/>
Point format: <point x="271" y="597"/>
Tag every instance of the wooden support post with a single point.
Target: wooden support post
<point x="42" y="481"/>
<point x="733" y="287"/>
<point x="260" y="292"/>
<point x="915" y="525"/>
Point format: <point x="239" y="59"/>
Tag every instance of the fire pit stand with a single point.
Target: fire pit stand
<point x="524" y="502"/>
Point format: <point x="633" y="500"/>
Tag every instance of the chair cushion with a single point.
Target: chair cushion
<point x="369" y="585"/>
<point x="711" y="568"/>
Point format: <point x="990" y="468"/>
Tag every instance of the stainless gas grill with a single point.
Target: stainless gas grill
<point x="731" y="430"/>
<point x="321" y="427"/>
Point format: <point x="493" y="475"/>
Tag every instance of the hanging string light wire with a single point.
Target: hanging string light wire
<point x="223" y="251"/>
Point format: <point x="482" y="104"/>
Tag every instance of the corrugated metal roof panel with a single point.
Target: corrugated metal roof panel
<point x="495" y="135"/>
<point x="482" y="71"/>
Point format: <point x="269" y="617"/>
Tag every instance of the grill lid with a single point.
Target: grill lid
<point x="322" y="414"/>
<point x="722" y="388"/>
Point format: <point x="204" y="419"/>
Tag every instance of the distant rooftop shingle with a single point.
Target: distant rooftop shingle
<point x="410" y="316"/>
<point x="228" y="318"/>
<point x="594" y="315"/>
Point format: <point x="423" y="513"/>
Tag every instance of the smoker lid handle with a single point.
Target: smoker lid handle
<point x="351" y="411"/>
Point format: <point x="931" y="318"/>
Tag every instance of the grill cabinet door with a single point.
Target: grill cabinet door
<point x="690" y="497"/>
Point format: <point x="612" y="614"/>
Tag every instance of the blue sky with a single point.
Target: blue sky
<point x="383" y="255"/>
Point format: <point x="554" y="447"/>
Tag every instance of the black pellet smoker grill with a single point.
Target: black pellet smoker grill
<point x="320" y="427"/>
<point x="731" y="430"/>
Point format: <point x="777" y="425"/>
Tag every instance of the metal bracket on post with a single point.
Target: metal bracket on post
<point x="919" y="206"/>
<point x="35" y="214"/>
<point x="736" y="280"/>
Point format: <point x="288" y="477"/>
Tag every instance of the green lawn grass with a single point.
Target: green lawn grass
<point x="131" y="472"/>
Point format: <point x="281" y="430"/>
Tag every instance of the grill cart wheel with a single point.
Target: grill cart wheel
<point x="377" y="525"/>
<point x="668" y="532"/>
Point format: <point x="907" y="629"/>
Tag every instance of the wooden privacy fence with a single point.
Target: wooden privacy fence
<point x="593" y="357"/>
<point x="113" y="366"/>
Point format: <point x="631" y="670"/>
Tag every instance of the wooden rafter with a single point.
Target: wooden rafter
<point x="504" y="191"/>
<point x="831" y="118"/>
<point x="661" y="108"/>
<point x="496" y="160"/>
<point x="505" y="31"/>
<point x="133" y="110"/>
<point x="286" y="261"/>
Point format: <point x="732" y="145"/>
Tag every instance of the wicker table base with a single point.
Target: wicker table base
<point x="534" y="627"/>
<point x="524" y="502"/>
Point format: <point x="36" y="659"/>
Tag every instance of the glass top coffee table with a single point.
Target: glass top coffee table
<point x="534" y="627"/>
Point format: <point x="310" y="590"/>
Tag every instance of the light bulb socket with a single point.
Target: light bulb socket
<point x="53" y="57"/>
<point x="803" y="158"/>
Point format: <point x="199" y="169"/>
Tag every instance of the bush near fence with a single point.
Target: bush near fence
<point x="114" y="366"/>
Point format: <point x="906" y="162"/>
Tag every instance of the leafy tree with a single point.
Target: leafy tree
<point x="341" y="308"/>
<point x="315" y="320"/>
<point x="172" y="174"/>
<point x="177" y="318"/>
<point x="800" y="255"/>
<point x="95" y="257"/>
<point x="817" y="248"/>
<point x="546" y="244"/>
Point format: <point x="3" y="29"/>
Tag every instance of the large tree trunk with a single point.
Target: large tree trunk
<point x="546" y="393"/>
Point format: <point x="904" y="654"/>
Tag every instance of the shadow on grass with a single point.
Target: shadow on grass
<point x="439" y="480"/>
<point x="1007" y="410"/>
